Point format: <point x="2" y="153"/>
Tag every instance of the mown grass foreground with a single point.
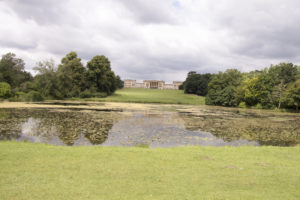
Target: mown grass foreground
<point x="39" y="171"/>
<point x="139" y="95"/>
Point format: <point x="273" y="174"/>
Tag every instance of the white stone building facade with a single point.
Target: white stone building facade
<point x="153" y="84"/>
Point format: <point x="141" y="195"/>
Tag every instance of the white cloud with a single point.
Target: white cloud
<point x="154" y="39"/>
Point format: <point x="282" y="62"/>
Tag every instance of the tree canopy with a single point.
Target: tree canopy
<point x="100" y="76"/>
<point x="67" y="80"/>
<point x="274" y="87"/>
<point x="12" y="70"/>
<point x="71" y="76"/>
<point x="222" y="88"/>
<point x="268" y="88"/>
<point x="196" y="83"/>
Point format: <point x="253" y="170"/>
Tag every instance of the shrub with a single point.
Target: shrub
<point x="88" y="94"/>
<point x="85" y="94"/>
<point x="259" y="106"/>
<point x="34" y="96"/>
<point x="100" y="94"/>
<point x="18" y="96"/>
<point x="30" y="96"/>
<point x="5" y="90"/>
<point x="242" y="105"/>
<point x="181" y="87"/>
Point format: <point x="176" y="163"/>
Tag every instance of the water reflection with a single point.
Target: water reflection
<point x="56" y="127"/>
<point x="162" y="130"/>
<point x="154" y="129"/>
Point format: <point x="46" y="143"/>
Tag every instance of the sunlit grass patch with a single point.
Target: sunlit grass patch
<point x="139" y="95"/>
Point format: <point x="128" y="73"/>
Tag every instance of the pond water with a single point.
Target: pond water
<point x="155" y="128"/>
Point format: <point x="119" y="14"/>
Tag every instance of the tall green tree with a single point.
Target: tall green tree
<point x="247" y="92"/>
<point x="100" y="76"/>
<point x="292" y="95"/>
<point x="12" y="70"/>
<point x="283" y="72"/>
<point x="271" y="84"/>
<point x="46" y="81"/>
<point x="120" y="83"/>
<point x="70" y="75"/>
<point x="259" y="90"/>
<point x="196" y="83"/>
<point x="278" y="93"/>
<point x="222" y="88"/>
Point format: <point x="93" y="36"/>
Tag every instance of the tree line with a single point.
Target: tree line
<point x="67" y="80"/>
<point x="277" y="86"/>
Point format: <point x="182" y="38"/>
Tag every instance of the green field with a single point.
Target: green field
<point x="138" y="95"/>
<point x="39" y="171"/>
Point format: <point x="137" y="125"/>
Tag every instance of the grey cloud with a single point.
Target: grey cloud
<point x="43" y="12"/>
<point x="17" y="45"/>
<point x="156" y="39"/>
<point x="150" y="11"/>
<point x="284" y="43"/>
<point x="164" y="67"/>
<point x="264" y="48"/>
<point x="266" y="29"/>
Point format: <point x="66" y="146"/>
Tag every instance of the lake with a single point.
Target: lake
<point x="149" y="125"/>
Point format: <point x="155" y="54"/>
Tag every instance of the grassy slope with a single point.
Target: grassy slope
<point x="38" y="171"/>
<point x="138" y="95"/>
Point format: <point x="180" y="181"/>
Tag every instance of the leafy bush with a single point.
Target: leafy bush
<point x="259" y="106"/>
<point x="85" y="94"/>
<point x="181" y="87"/>
<point x="34" y="96"/>
<point x="100" y="94"/>
<point x="19" y="96"/>
<point x="5" y="90"/>
<point x="27" y="86"/>
<point x="120" y="83"/>
<point x="30" y="96"/>
<point x="90" y="93"/>
<point x="242" y="105"/>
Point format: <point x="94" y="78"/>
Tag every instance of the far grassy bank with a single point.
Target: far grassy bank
<point x="39" y="171"/>
<point x="139" y="95"/>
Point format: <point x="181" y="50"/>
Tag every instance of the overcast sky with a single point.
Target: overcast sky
<point x="154" y="39"/>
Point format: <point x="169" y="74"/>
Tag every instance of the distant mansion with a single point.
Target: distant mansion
<point x="154" y="84"/>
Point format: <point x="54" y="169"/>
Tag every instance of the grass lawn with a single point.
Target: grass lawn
<point x="39" y="171"/>
<point x="139" y="95"/>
